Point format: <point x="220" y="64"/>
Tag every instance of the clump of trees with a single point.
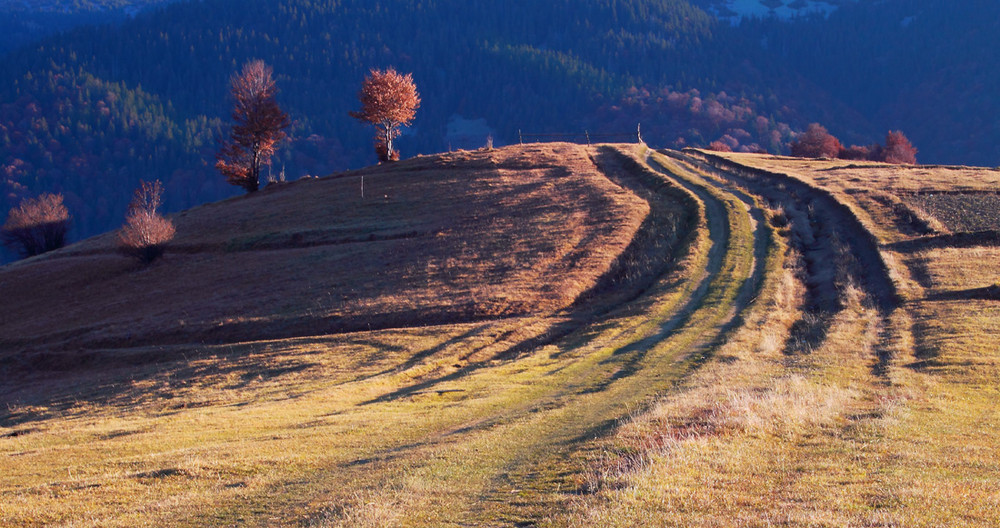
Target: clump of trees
<point x="720" y="146"/>
<point x="692" y="117"/>
<point x="389" y="100"/>
<point x="145" y="235"/>
<point x="258" y="126"/>
<point x="817" y="142"/>
<point x="37" y="225"/>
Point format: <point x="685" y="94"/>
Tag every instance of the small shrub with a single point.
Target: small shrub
<point x="857" y="152"/>
<point x="897" y="149"/>
<point x="778" y="217"/>
<point x="382" y="151"/>
<point x="719" y="146"/>
<point x="145" y="234"/>
<point x="36" y="225"/>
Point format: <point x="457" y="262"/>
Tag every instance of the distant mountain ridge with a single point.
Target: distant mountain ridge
<point x="26" y="21"/>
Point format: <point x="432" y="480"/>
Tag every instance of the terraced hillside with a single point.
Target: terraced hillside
<point x="541" y="335"/>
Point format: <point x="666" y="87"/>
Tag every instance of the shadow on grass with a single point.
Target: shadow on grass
<point x="954" y="240"/>
<point x="988" y="293"/>
<point x="647" y="258"/>
<point x="112" y="378"/>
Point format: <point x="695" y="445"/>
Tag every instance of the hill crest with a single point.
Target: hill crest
<point x="437" y="239"/>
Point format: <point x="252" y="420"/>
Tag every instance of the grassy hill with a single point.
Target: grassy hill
<point x="560" y="336"/>
<point x="457" y="237"/>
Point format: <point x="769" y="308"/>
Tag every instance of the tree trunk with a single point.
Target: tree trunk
<point x="254" y="181"/>
<point x="388" y="144"/>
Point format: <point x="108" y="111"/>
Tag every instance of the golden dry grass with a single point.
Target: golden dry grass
<point x="417" y="426"/>
<point x="638" y="345"/>
<point x="818" y="441"/>
<point x="756" y="437"/>
<point x="887" y="198"/>
<point x="458" y="237"/>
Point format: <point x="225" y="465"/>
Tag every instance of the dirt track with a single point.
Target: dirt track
<point x="826" y="231"/>
<point x="837" y="251"/>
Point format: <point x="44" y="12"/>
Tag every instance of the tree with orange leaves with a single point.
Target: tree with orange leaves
<point x="898" y="149"/>
<point x="816" y="142"/>
<point x="36" y="225"/>
<point x="259" y="125"/>
<point x="389" y="100"/>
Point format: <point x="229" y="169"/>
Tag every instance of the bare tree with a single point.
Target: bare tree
<point x="36" y="225"/>
<point x="258" y="125"/>
<point x="389" y="100"/>
<point x="145" y="234"/>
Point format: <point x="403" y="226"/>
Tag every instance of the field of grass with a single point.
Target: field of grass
<point x="448" y="239"/>
<point x="929" y="447"/>
<point x="177" y="431"/>
<point x="540" y="335"/>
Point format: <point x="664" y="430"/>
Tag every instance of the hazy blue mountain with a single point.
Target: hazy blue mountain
<point x="25" y="21"/>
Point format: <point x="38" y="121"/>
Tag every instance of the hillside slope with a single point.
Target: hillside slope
<point x="449" y="238"/>
<point x="535" y="278"/>
<point x="90" y="112"/>
<point x="590" y="336"/>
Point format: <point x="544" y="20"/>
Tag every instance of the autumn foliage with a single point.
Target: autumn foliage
<point x="898" y="149"/>
<point x="389" y="100"/>
<point x="816" y="142"/>
<point x="145" y="234"/>
<point x="36" y="225"/>
<point x="258" y="126"/>
<point x="719" y="146"/>
<point x="856" y="152"/>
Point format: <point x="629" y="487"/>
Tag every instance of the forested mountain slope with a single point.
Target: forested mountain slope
<point x="928" y="67"/>
<point x="90" y="112"/>
<point x="25" y="21"/>
<point x="531" y="67"/>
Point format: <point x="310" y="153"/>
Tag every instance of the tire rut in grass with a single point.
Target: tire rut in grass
<point x="838" y="255"/>
<point x="555" y="460"/>
<point x="532" y="444"/>
<point x="532" y="419"/>
<point x="836" y="250"/>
